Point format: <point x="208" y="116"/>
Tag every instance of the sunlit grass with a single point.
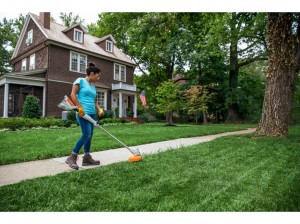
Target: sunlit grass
<point x="234" y="173"/>
<point x="20" y="146"/>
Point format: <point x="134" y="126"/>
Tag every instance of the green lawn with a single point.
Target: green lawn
<point x="234" y="173"/>
<point x="21" y="146"/>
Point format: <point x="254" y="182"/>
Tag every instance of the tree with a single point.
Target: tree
<point x="197" y="98"/>
<point x="168" y="100"/>
<point x="244" y="29"/>
<point x="9" y="34"/>
<point x="32" y="107"/>
<point x="70" y="20"/>
<point x="282" y="72"/>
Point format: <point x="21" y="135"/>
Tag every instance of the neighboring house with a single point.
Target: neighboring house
<point x="49" y="57"/>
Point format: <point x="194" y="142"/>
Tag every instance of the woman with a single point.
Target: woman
<point x="84" y="96"/>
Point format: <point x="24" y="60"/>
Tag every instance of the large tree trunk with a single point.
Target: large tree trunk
<point x="232" y="115"/>
<point x="280" y="77"/>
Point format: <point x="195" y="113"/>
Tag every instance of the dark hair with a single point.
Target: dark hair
<point x="92" y="68"/>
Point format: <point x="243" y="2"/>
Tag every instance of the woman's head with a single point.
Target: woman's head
<point x="92" y="68"/>
<point x="92" y="71"/>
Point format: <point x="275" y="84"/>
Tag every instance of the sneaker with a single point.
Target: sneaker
<point x="71" y="161"/>
<point x="87" y="160"/>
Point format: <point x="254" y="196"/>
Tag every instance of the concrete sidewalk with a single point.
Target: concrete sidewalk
<point x="14" y="173"/>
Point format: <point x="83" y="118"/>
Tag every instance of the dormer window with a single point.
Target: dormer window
<point x="109" y="46"/>
<point x="78" y="34"/>
<point x="29" y="37"/>
<point x="23" y="68"/>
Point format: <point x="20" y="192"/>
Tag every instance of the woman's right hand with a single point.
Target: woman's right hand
<point x="80" y="111"/>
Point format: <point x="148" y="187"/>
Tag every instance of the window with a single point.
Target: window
<point x="78" y="34"/>
<point x="32" y="62"/>
<point x="120" y="73"/>
<point x="29" y="37"/>
<point x="23" y="68"/>
<point x="78" y="62"/>
<point x="109" y="46"/>
<point x="101" y="99"/>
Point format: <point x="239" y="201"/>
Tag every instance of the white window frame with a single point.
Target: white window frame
<point x="78" y="38"/>
<point x="23" y="66"/>
<point x="29" y="37"/>
<point x="118" y="76"/>
<point x="78" y="55"/>
<point x="109" y="46"/>
<point x="103" y="105"/>
<point x="32" y="62"/>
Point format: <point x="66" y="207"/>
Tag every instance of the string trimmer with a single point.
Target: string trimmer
<point x="68" y="104"/>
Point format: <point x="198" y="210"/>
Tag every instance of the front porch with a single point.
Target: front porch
<point x="14" y="87"/>
<point x="124" y="100"/>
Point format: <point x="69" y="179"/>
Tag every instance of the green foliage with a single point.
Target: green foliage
<point x="112" y="121"/>
<point x="9" y="34"/>
<point x="250" y="92"/>
<point x="27" y="123"/>
<point x="32" y="107"/>
<point x="197" y="99"/>
<point x="168" y="98"/>
<point x="108" y="114"/>
<point x="72" y="116"/>
<point x="70" y="19"/>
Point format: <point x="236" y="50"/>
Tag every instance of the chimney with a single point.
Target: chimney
<point x="45" y="19"/>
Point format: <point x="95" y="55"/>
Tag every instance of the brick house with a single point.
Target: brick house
<point x="49" y="57"/>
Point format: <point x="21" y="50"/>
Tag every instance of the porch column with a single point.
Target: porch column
<point x="120" y="104"/>
<point x="5" y="106"/>
<point x="44" y="101"/>
<point x="135" y="106"/>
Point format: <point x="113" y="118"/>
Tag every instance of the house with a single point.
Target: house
<point x="49" y="57"/>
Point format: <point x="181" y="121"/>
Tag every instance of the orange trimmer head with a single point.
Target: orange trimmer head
<point x="135" y="158"/>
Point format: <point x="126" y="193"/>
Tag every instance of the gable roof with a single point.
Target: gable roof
<point x="106" y="37"/>
<point x="57" y="36"/>
<point x="77" y="24"/>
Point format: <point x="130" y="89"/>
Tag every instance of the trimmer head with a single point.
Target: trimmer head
<point x="135" y="158"/>
<point x="136" y="155"/>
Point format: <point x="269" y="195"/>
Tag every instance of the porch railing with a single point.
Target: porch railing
<point x="124" y="86"/>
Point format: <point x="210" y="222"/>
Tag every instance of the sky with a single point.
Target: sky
<point x="89" y="10"/>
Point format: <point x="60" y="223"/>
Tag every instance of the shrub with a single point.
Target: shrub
<point x="112" y="121"/>
<point x="21" y="123"/>
<point x="72" y="116"/>
<point x="108" y="114"/>
<point x="32" y="107"/>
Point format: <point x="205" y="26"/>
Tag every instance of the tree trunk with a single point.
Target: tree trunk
<point x="280" y="77"/>
<point x="205" y="117"/>
<point x="169" y="118"/>
<point x="232" y="115"/>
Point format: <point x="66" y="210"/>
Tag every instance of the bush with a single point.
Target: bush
<point x="112" y="121"/>
<point x="21" y="123"/>
<point x="143" y="117"/>
<point x="108" y="114"/>
<point x="32" y="107"/>
<point x="72" y="116"/>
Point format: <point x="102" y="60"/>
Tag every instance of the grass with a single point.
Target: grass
<point x="233" y="173"/>
<point x="21" y="146"/>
